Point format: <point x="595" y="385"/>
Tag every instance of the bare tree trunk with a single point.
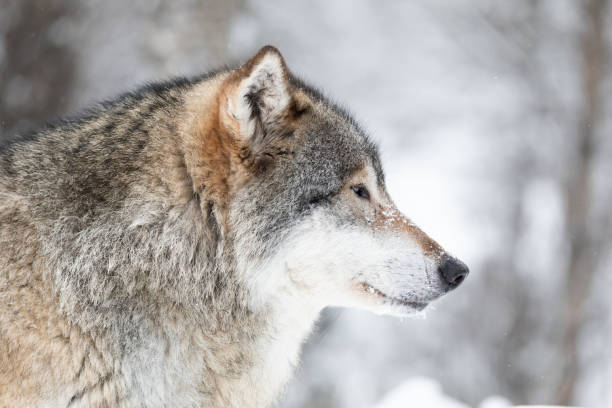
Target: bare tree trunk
<point x="216" y="20"/>
<point x="211" y="21"/>
<point x="36" y="74"/>
<point x="582" y="259"/>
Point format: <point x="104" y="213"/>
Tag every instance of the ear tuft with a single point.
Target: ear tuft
<point x="260" y="95"/>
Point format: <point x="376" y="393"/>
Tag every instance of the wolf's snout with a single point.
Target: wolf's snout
<point x="453" y="271"/>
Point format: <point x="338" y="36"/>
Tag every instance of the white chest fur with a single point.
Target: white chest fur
<point x="166" y="373"/>
<point x="275" y="353"/>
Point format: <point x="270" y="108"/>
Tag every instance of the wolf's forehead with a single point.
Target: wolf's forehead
<point x="338" y="140"/>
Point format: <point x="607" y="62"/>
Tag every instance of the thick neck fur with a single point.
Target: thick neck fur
<point x="110" y="241"/>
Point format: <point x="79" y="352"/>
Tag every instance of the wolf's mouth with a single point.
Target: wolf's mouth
<point x="366" y="287"/>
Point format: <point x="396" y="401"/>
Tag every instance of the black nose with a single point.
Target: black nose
<point x="453" y="271"/>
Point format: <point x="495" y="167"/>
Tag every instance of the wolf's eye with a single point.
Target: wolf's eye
<point x="361" y="191"/>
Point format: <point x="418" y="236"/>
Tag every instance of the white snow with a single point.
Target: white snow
<point x="423" y="392"/>
<point x="418" y="392"/>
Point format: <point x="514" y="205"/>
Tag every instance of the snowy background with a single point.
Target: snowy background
<point x="495" y="129"/>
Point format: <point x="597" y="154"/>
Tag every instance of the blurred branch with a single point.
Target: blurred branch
<point x="509" y="46"/>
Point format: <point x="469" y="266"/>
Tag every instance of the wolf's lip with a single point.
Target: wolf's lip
<point x="418" y="306"/>
<point x="394" y="301"/>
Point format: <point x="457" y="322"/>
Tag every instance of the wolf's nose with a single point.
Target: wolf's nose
<point x="453" y="271"/>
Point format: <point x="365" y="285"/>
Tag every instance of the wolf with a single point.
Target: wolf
<point x="173" y="247"/>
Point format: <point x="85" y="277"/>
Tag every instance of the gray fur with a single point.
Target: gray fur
<point x="124" y="249"/>
<point x="119" y="273"/>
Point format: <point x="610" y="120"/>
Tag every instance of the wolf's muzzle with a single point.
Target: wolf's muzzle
<point x="453" y="271"/>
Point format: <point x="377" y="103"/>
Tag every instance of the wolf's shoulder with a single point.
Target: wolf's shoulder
<point x="140" y="101"/>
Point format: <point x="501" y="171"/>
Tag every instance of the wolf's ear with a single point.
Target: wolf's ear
<point x="257" y="97"/>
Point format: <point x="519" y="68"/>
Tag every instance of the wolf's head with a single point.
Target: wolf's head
<point x="308" y="210"/>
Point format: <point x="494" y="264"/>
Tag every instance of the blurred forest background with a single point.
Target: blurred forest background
<point x="494" y="123"/>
